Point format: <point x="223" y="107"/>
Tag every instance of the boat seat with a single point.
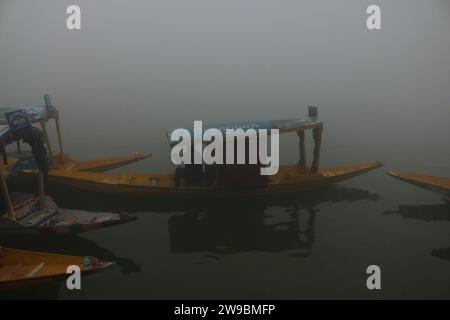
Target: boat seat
<point x="154" y="182"/>
<point x="36" y="270"/>
<point x="125" y="179"/>
<point x="38" y="217"/>
<point x="326" y="173"/>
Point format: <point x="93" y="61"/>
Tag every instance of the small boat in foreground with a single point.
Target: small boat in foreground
<point x="31" y="220"/>
<point x="229" y="181"/>
<point x="22" y="268"/>
<point x="41" y="115"/>
<point x="28" y="214"/>
<point x="440" y="185"/>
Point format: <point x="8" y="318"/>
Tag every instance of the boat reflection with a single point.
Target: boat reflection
<point x="426" y="212"/>
<point x="442" y="253"/>
<point x="270" y="225"/>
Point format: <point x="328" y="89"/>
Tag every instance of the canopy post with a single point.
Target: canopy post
<point x="58" y="133"/>
<point x="19" y="150"/>
<point x="317" y="136"/>
<point x="5" y="194"/>
<point x="302" y="148"/>
<point x="47" y="140"/>
<point x="4" y="157"/>
<point x="41" y="194"/>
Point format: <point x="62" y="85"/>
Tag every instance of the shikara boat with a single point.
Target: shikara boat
<point x="41" y="115"/>
<point x="28" y="214"/>
<point x="440" y="185"/>
<point x="289" y="179"/>
<point x="32" y="220"/>
<point x="22" y="268"/>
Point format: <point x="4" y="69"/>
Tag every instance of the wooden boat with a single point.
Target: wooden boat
<point x="32" y="220"/>
<point x="22" y="268"/>
<point x="25" y="214"/>
<point x="290" y="178"/>
<point x="41" y="115"/>
<point x="440" y="185"/>
<point x="26" y="165"/>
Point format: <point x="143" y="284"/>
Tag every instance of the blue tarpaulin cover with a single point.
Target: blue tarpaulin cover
<point x="282" y="125"/>
<point x="36" y="114"/>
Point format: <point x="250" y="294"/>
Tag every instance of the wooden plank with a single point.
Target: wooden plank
<point x="47" y="141"/>
<point x="317" y="136"/>
<point x="58" y="132"/>
<point x="302" y="148"/>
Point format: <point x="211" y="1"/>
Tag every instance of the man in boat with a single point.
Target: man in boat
<point x="189" y="174"/>
<point x="241" y="175"/>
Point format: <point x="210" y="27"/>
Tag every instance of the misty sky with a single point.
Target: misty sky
<point x="139" y="67"/>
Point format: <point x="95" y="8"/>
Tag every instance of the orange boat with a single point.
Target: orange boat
<point x="22" y="268"/>
<point x="440" y="185"/>
<point x="41" y="115"/>
<point x="37" y="214"/>
<point x="289" y="179"/>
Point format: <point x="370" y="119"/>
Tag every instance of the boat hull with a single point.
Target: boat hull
<point x="98" y="165"/>
<point x="23" y="268"/>
<point x="54" y="221"/>
<point x="439" y="185"/>
<point x="290" y="179"/>
<point x="17" y="230"/>
<point x="28" y="166"/>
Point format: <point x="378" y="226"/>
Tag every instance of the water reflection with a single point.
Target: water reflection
<point x="227" y="230"/>
<point x="273" y="225"/>
<point x="268" y="225"/>
<point x="442" y="253"/>
<point x="262" y="224"/>
<point x="425" y="212"/>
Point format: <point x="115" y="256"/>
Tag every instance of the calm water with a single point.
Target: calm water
<point x="311" y="245"/>
<point x="134" y="71"/>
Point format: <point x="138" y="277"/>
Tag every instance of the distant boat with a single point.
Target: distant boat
<point x="28" y="214"/>
<point x="22" y="268"/>
<point x="41" y="115"/>
<point x="229" y="181"/>
<point x="440" y="185"/>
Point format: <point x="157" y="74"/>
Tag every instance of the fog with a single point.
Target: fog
<point x="139" y="67"/>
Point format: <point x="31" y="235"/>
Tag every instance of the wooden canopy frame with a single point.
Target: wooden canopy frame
<point x="317" y="130"/>
<point x="52" y="113"/>
<point x="300" y="126"/>
<point x="5" y="170"/>
<point x="49" y="104"/>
